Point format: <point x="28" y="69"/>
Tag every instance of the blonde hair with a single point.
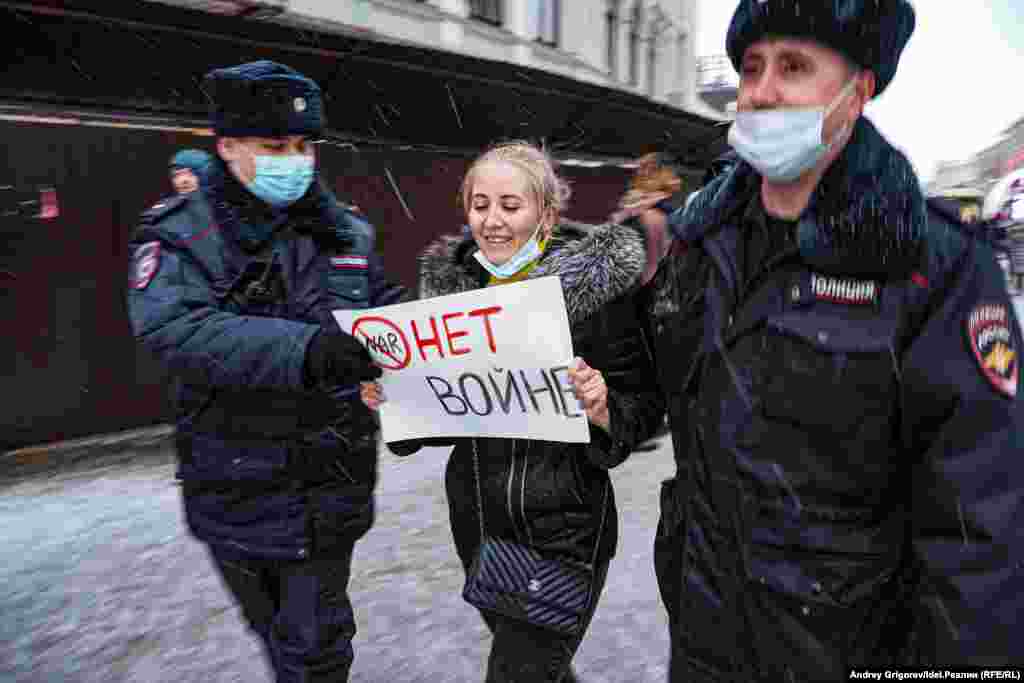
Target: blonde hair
<point x="550" y="191"/>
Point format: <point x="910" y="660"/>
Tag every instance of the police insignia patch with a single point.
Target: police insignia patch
<point x="146" y="262"/>
<point x="992" y="343"/>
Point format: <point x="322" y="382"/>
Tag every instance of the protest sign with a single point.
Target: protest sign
<point x="489" y="362"/>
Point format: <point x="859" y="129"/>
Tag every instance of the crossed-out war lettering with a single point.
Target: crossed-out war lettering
<point x="390" y="345"/>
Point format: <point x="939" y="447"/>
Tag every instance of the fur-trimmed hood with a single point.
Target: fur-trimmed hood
<point x="596" y="264"/>
<point x="867" y="217"/>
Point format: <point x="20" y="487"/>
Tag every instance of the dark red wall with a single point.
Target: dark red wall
<point x="429" y="184"/>
<point x="68" y="364"/>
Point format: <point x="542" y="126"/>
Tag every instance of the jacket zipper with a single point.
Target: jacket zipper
<point x="522" y="495"/>
<point x="336" y="463"/>
<point x="508" y="493"/>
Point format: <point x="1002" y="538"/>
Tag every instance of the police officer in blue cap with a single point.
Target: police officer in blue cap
<point x="233" y="287"/>
<point x="186" y="168"/>
<point x="842" y="369"/>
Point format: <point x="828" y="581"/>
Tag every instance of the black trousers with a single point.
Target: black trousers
<point x="523" y="653"/>
<point x="300" y="610"/>
<point x="520" y="652"/>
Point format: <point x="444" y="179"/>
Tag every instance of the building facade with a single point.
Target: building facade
<point x="984" y="169"/>
<point x="645" y="47"/>
<point x="954" y="175"/>
<point x="718" y="84"/>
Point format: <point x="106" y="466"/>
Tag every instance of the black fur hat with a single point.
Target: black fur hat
<point x="871" y="33"/>
<point x="264" y="99"/>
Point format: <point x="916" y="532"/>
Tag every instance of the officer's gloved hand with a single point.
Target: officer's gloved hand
<point x="334" y="358"/>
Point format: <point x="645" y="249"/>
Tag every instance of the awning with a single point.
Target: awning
<point x="128" y="59"/>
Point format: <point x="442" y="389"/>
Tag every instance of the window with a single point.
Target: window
<point x="634" y="44"/>
<point x="545" y="20"/>
<point x="486" y="10"/>
<point x="612" y="37"/>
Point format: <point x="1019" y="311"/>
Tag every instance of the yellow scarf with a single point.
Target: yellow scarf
<point x="523" y="273"/>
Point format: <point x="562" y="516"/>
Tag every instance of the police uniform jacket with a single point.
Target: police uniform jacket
<point x="228" y="293"/>
<point x="563" y="503"/>
<point x="847" y="430"/>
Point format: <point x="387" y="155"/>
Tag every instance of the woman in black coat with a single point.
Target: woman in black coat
<point x="564" y="507"/>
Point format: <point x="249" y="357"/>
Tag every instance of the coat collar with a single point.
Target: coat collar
<point x="866" y="218"/>
<point x="596" y="264"/>
<point x="253" y="223"/>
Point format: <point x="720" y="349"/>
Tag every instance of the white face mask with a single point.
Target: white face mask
<point x="527" y="254"/>
<point x="783" y="144"/>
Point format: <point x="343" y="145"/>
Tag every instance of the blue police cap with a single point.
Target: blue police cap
<point x="871" y="33"/>
<point x="193" y="159"/>
<point x="264" y="99"/>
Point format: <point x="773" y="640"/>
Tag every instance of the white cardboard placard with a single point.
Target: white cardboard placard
<point x="488" y="362"/>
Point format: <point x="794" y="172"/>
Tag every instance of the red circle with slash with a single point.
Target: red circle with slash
<point x="384" y="340"/>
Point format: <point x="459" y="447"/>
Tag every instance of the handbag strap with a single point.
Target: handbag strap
<point x="604" y="518"/>
<point x="479" y="495"/>
<point x="480" y="505"/>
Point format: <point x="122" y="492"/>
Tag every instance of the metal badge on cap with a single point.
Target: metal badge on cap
<point x="300" y="104"/>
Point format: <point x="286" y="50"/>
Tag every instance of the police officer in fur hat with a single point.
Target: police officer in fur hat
<point x="185" y="169"/>
<point x="842" y="367"/>
<point x="233" y="287"/>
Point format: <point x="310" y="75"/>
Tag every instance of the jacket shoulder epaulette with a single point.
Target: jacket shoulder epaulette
<point x="175" y="220"/>
<point x="347" y="218"/>
<point x="945" y="243"/>
<point x="164" y="208"/>
<point x="351" y="229"/>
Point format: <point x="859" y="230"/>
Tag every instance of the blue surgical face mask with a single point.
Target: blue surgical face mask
<point x="526" y="254"/>
<point x="783" y="144"/>
<point x="281" y="180"/>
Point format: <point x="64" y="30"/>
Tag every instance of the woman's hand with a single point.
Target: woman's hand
<point x="589" y="387"/>
<point x="372" y="394"/>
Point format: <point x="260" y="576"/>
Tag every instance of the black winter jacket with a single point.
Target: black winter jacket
<point x="269" y="467"/>
<point x="557" y="497"/>
<point x="848" y="435"/>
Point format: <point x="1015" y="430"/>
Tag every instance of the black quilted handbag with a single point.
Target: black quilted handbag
<point x="516" y="581"/>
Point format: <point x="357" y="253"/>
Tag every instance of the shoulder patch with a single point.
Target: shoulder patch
<point x="991" y="341"/>
<point x="145" y="264"/>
